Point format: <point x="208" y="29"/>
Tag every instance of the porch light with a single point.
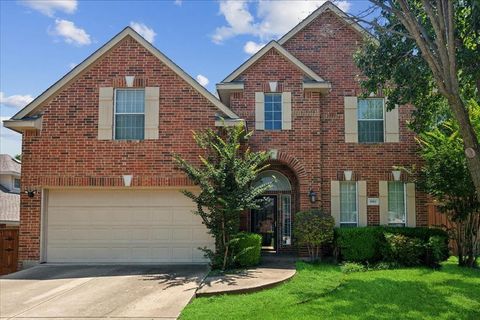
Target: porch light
<point x="127" y="180"/>
<point x="312" y="195"/>
<point x="30" y="192"/>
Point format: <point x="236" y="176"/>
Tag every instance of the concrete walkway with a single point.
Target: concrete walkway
<point x="271" y="272"/>
<point x="99" y="292"/>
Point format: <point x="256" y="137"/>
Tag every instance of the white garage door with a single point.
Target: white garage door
<point x="123" y="226"/>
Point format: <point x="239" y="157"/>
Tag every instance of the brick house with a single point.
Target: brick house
<point x="98" y="144"/>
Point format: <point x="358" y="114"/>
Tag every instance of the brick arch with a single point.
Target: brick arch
<point x="293" y="163"/>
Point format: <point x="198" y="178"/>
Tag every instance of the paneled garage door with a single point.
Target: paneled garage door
<point x="123" y="226"/>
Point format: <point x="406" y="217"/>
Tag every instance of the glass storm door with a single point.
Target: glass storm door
<point x="264" y="222"/>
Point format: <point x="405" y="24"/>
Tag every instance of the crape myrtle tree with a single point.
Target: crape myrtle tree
<point x="426" y="53"/>
<point x="445" y="176"/>
<point x="225" y="175"/>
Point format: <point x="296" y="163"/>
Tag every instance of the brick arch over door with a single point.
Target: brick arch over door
<point x="293" y="163"/>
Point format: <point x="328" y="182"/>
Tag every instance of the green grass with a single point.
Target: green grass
<point x="324" y="292"/>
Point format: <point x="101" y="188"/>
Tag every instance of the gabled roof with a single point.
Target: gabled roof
<point x="324" y="7"/>
<point x="65" y="80"/>
<point x="287" y="55"/>
<point x="9" y="164"/>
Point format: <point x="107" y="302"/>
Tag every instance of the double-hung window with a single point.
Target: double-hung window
<point x="129" y="114"/>
<point x="273" y="111"/>
<point x="371" y="114"/>
<point x="348" y="204"/>
<point x="16" y="183"/>
<point x="397" y="215"/>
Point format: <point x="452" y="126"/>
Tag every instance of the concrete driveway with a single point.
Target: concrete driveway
<point x="95" y="292"/>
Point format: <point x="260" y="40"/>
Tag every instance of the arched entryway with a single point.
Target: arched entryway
<point x="273" y="220"/>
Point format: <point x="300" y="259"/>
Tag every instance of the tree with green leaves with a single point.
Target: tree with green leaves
<point x="427" y="53"/>
<point x="225" y="178"/>
<point x="445" y="176"/>
<point x="313" y="229"/>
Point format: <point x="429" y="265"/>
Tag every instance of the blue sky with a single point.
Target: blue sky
<point x="40" y="41"/>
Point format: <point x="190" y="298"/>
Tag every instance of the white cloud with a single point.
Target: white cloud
<point x="272" y="18"/>
<point x="49" y="7"/>
<point x="16" y="100"/>
<point x="11" y="141"/>
<point x="146" y="32"/>
<point x="177" y="2"/>
<point x="252" y="47"/>
<point x="71" y="33"/>
<point x="72" y="65"/>
<point x="202" y="80"/>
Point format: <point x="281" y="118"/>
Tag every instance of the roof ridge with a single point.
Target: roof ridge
<point x="92" y="58"/>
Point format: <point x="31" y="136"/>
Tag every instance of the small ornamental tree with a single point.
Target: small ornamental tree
<point x="313" y="229"/>
<point x="225" y="178"/>
<point x="445" y="176"/>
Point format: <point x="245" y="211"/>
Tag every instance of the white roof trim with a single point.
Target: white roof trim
<point x="326" y="6"/>
<point x="99" y="53"/>
<point x="23" y="124"/>
<point x="283" y="52"/>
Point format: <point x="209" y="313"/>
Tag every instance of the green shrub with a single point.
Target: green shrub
<point x="313" y="229"/>
<point x="350" y="267"/>
<point x="358" y="244"/>
<point x="246" y="249"/>
<point x="369" y="245"/>
<point x="403" y="250"/>
<point x="435" y="251"/>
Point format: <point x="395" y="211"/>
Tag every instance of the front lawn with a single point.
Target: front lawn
<point x="324" y="292"/>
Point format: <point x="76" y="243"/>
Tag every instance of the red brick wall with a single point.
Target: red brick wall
<point x="67" y="152"/>
<point x="317" y="140"/>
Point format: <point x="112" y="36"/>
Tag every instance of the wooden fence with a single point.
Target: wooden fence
<point x="8" y="250"/>
<point x="437" y="219"/>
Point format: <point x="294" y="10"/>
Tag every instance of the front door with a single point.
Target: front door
<point x="264" y="221"/>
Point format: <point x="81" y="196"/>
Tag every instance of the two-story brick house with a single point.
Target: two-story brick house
<point x="98" y="144"/>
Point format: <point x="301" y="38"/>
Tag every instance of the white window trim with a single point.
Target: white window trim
<point x="264" y="110"/>
<point x="289" y="196"/>
<point x="356" y="205"/>
<point x="405" y="213"/>
<point x="384" y="111"/>
<point x="115" y="112"/>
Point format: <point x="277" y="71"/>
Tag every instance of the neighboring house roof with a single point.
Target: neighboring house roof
<point x="287" y="55"/>
<point x="65" y="80"/>
<point x="9" y="165"/>
<point x="9" y="206"/>
<point x="323" y="8"/>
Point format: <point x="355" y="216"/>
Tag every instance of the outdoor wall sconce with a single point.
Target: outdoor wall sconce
<point x="312" y="195"/>
<point x="127" y="180"/>
<point x="30" y="192"/>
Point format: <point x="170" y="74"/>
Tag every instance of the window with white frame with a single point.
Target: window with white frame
<point x="287" y="219"/>
<point x="129" y="114"/>
<point x="348" y="204"/>
<point x="16" y="183"/>
<point x="371" y="114"/>
<point x="273" y="111"/>
<point x="397" y="214"/>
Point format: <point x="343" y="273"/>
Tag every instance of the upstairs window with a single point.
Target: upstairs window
<point x="16" y="183"/>
<point x="371" y="120"/>
<point x="348" y="204"/>
<point x="397" y="214"/>
<point x="129" y="114"/>
<point x="273" y="111"/>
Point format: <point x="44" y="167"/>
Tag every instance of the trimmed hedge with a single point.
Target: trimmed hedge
<point x="405" y="246"/>
<point x="246" y="249"/>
